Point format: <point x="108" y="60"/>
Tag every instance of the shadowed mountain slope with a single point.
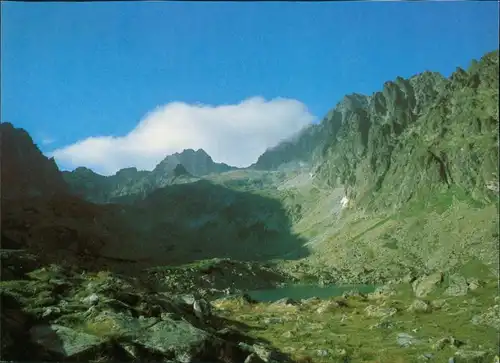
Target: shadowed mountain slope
<point x="175" y="224"/>
<point x="202" y="220"/>
<point x="25" y="171"/>
<point x="129" y="184"/>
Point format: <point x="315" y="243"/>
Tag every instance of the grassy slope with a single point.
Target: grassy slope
<point x="349" y="332"/>
<point x="409" y="212"/>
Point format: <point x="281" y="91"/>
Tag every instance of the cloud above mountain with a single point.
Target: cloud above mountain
<point x="234" y="134"/>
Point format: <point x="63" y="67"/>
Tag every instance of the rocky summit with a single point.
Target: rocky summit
<point x="369" y="237"/>
<point x="130" y="184"/>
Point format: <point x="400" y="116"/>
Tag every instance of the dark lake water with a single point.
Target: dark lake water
<point x="298" y="292"/>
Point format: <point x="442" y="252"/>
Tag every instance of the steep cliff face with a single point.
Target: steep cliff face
<point x="415" y="137"/>
<point x="299" y="148"/>
<point x="38" y="213"/>
<point x="364" y="132"/>
<point x="418" y="136"/>
<point x="25" y="171"/>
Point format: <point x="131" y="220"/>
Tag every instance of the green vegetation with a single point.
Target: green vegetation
<point x="367" y="330"/>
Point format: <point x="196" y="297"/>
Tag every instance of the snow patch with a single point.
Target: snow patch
<point x="344" y="202"/>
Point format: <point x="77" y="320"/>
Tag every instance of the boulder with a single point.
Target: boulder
<point x="64" y="341"/>
<point x="253" y="358"/>
<point x="457" y="286"/>
<point x="202" y="309"/>
<point x="427" y="284"/>
<point x="419" y="306"/>
<point x="380" y="311"/>
<point x="171" y="337"/>
<point x="406" y="340"/>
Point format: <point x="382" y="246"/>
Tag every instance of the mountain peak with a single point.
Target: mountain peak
<point x="25" y="170"/>
<point x="199" y="152"/>
<point x="197" y="163"/>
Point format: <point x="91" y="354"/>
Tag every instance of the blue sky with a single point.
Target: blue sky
<point x="71" y="71"/>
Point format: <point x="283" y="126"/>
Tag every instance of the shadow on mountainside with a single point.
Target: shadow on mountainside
<point x="186" y="222"/>
<point x="173" y="225"/>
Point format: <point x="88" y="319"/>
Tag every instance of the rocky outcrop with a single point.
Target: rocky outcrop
<point x="413" y="139"/>
<point x="124" y="322"/>
<point x="423" y="135"/>
<point x="300" y="147"/>
<point x="25" y="171"/>
<point x="427" y="284"/>
<point x="197" y="163"/>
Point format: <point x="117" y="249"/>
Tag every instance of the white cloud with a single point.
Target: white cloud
<point x="235" y="134"/>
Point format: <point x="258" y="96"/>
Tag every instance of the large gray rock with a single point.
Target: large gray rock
<point x="286" y="301"/>
<point x="458" y="286"/>
<point x="202" y="309"/>
<point x="266" y="354"/>
<point x="328" y="306"/>
<point x="443" y="342"/>
<point x="65" y="341"/>
<point x="419" y="306"/>
<point x="174" y="337"/>
<point x="427" y="284"/>
<point x="406" y="340"/>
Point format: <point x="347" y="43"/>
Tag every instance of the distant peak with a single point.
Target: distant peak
<point x="82" y="169"/>
<point x="126" y="171"/>
<point x="7" y="125"/>
<point x="192" y="151"/>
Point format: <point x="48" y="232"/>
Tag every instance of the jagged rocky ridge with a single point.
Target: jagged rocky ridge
<point x="413" y="138"/>
<point x="130" y="184"/>
<point x="420" y="134"/>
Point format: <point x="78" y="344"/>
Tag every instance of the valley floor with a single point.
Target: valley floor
<point x="163" y="316"/>
<point x="388" y="326"/>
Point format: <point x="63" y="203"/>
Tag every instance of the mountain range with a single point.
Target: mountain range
<point x="130" y="183"/>
<point x="396" y="191"/>
<point x="419" y="145"/>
